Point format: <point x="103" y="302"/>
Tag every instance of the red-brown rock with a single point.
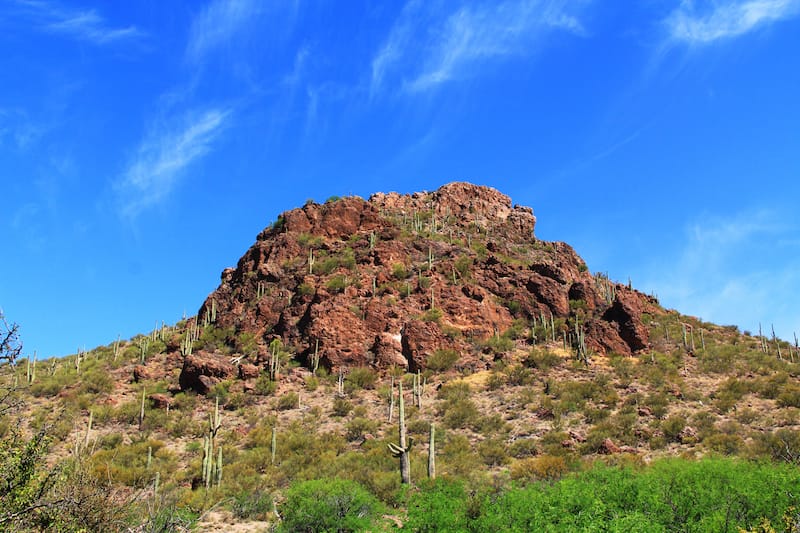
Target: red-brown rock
<point x="248" y="371"/>
<point x="202" y="370"/>
<point x="419" y="340"/>
<point x="608" y="447"/>
<point x="141" y="373"/>
<point x="626" y="313"/>
<point x="378" y="267"/>
<point x="160" y="401"/>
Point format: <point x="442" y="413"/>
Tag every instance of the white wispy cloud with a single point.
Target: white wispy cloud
<point x="701" y="25"/>
<point x="84" y="25"/>
<point x="225" y="22"/>
<point x="731" y="270"/>
<point x="452" y="42"/>
<point x="163" y="156"/>
<point x="217" y="23"/>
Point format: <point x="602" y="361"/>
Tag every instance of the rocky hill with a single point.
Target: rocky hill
<point x="396" y="278"/>
<point x="526" y="366"/>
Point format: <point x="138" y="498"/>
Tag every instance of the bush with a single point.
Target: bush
<point x="545" y="467"/>
<point x="288" y="401"/>
<point x="337" y="283"/>
<point x="341" y="407"/>
<point x="493" y="452"/>
<point x="673" y="426"/>
<point x="790" y="396"/>
<point x="265" y="386"/>
<point x="441" y="360"/>
<point x="542" y="359"/>
<point x="252" y="505"/>
<point x="358" y="427"/>
<point x="499" y="344"/>
<point x="459" y="413"/>
<point x="438" y="506"/>
<point x="432" y="315"/>
<point x="361" y="377"/>
<point x="399" y="271"/>
<point x="336" y="505"/>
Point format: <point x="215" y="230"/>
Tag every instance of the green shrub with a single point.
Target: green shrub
<point x="673" y="426"/>
<point x="337" y="283"/>
<point x="438" y="506"/>
<point x="252" y="505"/>
<point x="499" y="344"/>
<point x="358" y="427"/>
<point x="493" y="452"/>
<point x="304" y="289"/>
<point x="442" y="360"/>
<point x="789" y="396"/>
<point x="361" y="377"/>
<point x="329" y="505"/>
<point x="341" y="407"/>
<point x="288" y="400"/>
<point x="265" y="386"/>
<point x="463" y="266"/>
<point x="543" y="359"/>
<point x="459" y="413"/>
<point x="432" y="315"/>
<point x="544" y="467"/>
<point x="399" y="271"/>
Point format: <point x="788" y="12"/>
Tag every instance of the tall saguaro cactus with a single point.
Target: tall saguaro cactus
<point x="401" y="450"/>
<point x="432" y="453"/>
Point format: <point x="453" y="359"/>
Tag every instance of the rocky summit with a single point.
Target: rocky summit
<point x="393" y="280"/>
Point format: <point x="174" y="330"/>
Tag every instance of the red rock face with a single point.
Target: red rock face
<point x="389" y="280"/>
<point x="203" y="370"/>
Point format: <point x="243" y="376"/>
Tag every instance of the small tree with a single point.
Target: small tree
<point x="33" y="495"/>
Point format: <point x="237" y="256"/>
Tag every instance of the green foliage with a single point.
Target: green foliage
<point x="338" y="283"/>
<point x="252" y="505"/>
<point x="499" y="344"/>
<point x="399" y="271"/>
<point x="432" y="315"/>
<point x="23" y="480"/>
<point x="670" y="495"/>
<point x="329" y="505"/>
<point x="673" y="426"/>
<point x="309" y="240"/>
<point x="789" y="396"/>
<point x="304" y="289"/>
<point x="463" y="266"/>
<point x="278" y="224"/>
<point x="543" y="359"/>
<point x="288" y="400"/>
<point x="358" y="427"/>
<point x="265" y="386"/>
<point x="438" y="506"/>
<point x="442" y="360"/>
<point x="246" y="342"/>
<point x="328" y="264"/>
<point x="127" y="463"/>
<point x="341" y="407"/>
<point x="360" y="377"/>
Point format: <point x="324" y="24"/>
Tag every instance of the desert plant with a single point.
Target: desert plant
<point x="338" y="505"/>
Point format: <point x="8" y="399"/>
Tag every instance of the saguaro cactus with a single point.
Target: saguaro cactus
<point x="402" y="449"/>
<point x="432" y="453"/>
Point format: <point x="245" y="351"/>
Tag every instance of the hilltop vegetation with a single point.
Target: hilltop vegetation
<point x="559" y="399"/>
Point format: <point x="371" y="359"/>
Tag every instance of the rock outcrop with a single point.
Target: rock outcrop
<point x="390" y="280"/>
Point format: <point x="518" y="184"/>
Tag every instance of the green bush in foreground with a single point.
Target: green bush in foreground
<point x="324" y="505"/>
<point x="671" y="495"/>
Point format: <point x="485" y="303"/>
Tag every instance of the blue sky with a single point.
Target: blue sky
<point x="143" y="145"/>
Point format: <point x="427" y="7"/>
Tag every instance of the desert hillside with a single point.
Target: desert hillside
<point x="517" y="369"/>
